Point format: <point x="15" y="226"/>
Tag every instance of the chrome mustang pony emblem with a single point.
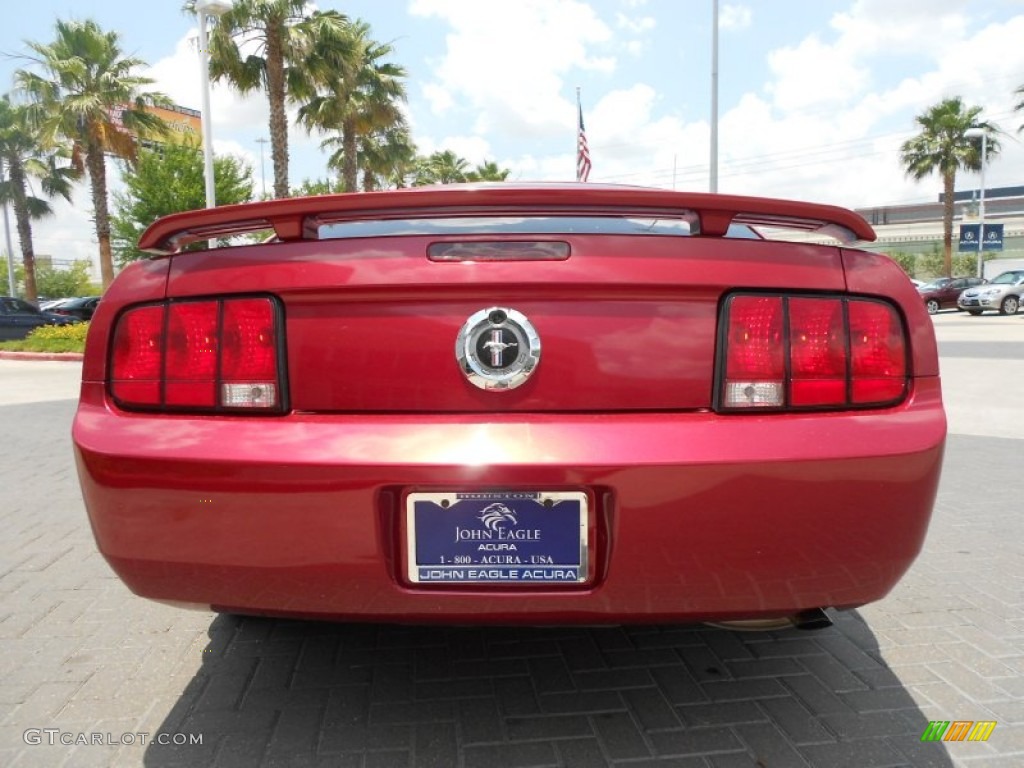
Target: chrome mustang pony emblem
<point x="497" y="348"/>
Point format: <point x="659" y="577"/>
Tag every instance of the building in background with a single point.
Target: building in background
<point x="186" y="125"/>
<point x="917" y="228"/>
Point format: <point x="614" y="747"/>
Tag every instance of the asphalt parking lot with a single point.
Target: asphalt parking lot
<point x="92" y="676"/>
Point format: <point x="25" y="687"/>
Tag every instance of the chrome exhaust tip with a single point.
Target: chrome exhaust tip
<point x="814" y="618"/>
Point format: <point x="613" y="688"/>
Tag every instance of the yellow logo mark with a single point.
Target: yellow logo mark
<point x="982" y="730"/>
<point x="958" y="730"/>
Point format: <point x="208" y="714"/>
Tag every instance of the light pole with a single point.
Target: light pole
<point x="974" y="133"/>
<point x="713" y="175"/>
<point x="263" y="169"/>
<point x="10" y="251"/>
<point x="205" y="8"/>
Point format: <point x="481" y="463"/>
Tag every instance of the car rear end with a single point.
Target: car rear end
<point x="79" y="308"/>
<point x="511" y="404"/>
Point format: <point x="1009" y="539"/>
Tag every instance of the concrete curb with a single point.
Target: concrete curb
<point x="71" y="357"/>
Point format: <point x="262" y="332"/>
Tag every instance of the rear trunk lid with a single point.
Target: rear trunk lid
<point x="624" y="299"/>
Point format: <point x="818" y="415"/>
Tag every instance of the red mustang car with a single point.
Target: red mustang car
<point x="512" y="404"/>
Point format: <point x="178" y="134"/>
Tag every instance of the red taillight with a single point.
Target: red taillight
<point x="879" y="360"/>
<point x="137" y="362"/>
<point x="192" y="352"/>
<point x="811" y="352"/>
<point x="249" y="363"/>
<point x="755" y="366"/>
<point x="198" y="355"/>
<point x="817" y="349"/>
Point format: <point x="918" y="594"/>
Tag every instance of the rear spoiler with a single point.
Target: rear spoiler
<point x="299" y="218"/>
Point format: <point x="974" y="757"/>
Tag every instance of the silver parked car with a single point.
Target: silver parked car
<point x="1003" y="294"/>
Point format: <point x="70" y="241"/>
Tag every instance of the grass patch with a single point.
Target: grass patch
<point x="51" y="338"/>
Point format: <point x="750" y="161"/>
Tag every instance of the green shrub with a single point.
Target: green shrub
<point x="51" y="338"/>
<point x="907" y="262"/>
<point x="932" y="264"/>
<point x="966" y="264"/>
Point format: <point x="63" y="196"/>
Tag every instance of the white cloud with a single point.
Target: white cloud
<point x="634" y="25"/>
<point x="67" y="235"/>
<point x="474" y="149"/>
<point x="819" y="128"/>
<point x="735" y="17"/>
<point x="901" y="26"/>
<point x="628" y="142"/>
<point x="636" y="47"/>
<point x="513" y="83"/>
<point x="822" y="128"/>
<point x="822" y="156"/>
<point x="439" y="97"/>
<point x="814" y="74"/>
<point x="177" y="75"/>
<point x="238" y="150"/>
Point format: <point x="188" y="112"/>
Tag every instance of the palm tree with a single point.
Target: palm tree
<point x="1019" y="106"/>
<point x="278" y="37"/>
<point x="360" y="97"/>
<point x="441" y="168"/>
<point x="383" y="156"/>
<point x="21" y="153"/>
<point x="488" y="171"/>
<point x="402" y="168"/>
<point x="88" y="95"/>
<point x="403" y="174"/>
<point x="942" y="146"/>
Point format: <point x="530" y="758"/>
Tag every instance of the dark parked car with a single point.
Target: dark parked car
<point x="81" y="307"/>
<point x="943" y="292"/>
<point x="557" y="403"/>
<point x="18" y="317"/>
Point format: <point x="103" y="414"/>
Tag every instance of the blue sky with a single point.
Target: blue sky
<point x="815" y="96"/>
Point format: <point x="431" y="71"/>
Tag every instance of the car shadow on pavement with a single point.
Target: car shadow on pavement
<point x="288" y="693"/>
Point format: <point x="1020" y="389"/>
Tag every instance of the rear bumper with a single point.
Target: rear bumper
<point x="698" y="516"/>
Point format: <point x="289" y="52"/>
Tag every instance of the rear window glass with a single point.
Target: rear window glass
<point x="518" y="225"/>
<point x="9" y="306"/>
<point x="1008" y="278"/>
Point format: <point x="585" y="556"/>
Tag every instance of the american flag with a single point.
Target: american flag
<point x="582" y="150"/>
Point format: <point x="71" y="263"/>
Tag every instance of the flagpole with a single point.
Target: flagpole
<point x="583" y="164"/>
<point x="713" y="175"/>
<point x="576" y="148"/>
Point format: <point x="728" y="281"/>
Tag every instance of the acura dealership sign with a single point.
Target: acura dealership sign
<point x="970" y="234"/>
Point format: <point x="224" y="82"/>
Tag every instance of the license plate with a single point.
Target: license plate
<point x="497" y="537"/>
